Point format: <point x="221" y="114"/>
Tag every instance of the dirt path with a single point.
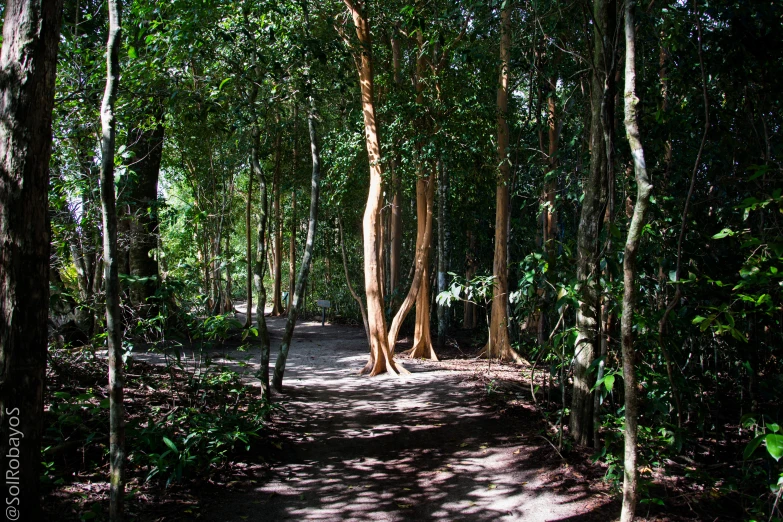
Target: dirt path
<point x="424" y="447"/>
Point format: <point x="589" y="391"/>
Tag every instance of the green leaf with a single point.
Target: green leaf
<point x="751" y="447"/>
<point x="220" y="88"/>
<point x="774" y="428"/>
<point x="726" y="232"/>
<point x="170" y="444"/>
<point x="775" y="445"/>
<point x="132" y="53"/>
<point x="609" y="382"/>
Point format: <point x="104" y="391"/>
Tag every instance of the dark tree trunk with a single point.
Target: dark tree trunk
<point x="443" y="249"/>
<point x="260" y="264"/>
<point x="591" y="220"/>
<point x="147" y="148"/>
<point x="27" y="71"/>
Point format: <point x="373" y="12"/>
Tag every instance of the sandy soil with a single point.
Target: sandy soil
<point x="428" y="446"/>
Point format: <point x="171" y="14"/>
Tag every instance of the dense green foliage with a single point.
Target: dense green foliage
<point x="711" y="278"/>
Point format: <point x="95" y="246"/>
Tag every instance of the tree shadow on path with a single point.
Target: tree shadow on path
<point x="423" y="447"/>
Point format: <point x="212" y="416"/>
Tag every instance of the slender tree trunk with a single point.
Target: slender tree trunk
<point x="277" y="289"/>
<point x="550" y="184"/>
<point x="258" y="269"/>
<point x="443" y="249"/>
<point x="499" y="344"/>
<point x="396" y="212"/>
<point x="644" y="189"/>
<point x="110" y="253"/>
<point x="27" y="71"/>
<point x="348" y="282"/>
<point x="588" y="246"/>
<point x="292" y="243"/>
<point x="381" y="354"/>
<point x="304" y="268"/>
<point x="249" y="251"/>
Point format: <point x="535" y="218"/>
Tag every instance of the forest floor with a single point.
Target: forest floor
<point x="454" y="440"/>
<point x="427" y="446"/>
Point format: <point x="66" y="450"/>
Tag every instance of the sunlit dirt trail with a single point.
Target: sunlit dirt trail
<point x="422" y="447"/>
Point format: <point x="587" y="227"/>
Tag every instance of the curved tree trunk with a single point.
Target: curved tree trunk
<point x="588" y="268"/>
<point x="644" y="189"/>
<point x="110" y="254"/>
<point x="27" y="72"/>
<point x="304" y="268"/>
<point x="381" y="355"/>
<point x="499" y="344"/>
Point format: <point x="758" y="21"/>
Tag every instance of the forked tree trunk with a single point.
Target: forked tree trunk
<point x="643" y="191"/>
<point x="304" y="268"/>
<point x="425" y="189"/>
<point x="381" y="355"/>
<point x="499" y="344"/>
<point x="110" y="253"/>
<point x="590" y="223"/>
<point x="27" y="72"/>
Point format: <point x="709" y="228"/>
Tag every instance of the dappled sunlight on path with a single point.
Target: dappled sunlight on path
<point x="421" y="447"/>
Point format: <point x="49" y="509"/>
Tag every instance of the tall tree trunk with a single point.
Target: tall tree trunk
<point x="110" y="253"/>
<point x="277" y="289"/>
<point x="395" y="241"/>
<point x="499" y="344"/>
<point x="381" y="355"/>
<point x="304" y="268"/>
<point x="422" y="342"/>
<point x="249" y="250"/>
<point x="292" y="252"/>
<point x="28" y="63"/>
<point x="147" y="147"/>
<point x="258" y="268"/>
<point x="443" y="249"/>
<point x="643" y="191"/>
<point x="590" y="222"/>
<point x="550" y="184"/>
<point x="292" y="243"/>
